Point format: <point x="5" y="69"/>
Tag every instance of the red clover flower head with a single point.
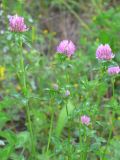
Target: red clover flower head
<point x="85" y="120"/>
<point x="17" y="24"/>
<point x="66" y="47"/>
<point x="113" y="70"/>
<point x="104" y="52"/>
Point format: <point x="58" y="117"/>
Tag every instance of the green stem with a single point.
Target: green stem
<point x="97" y="6"/>
<point x="50" y="132"/>
<point x="113" y="114"/>
<point x="32" y="141"/>
<point x="109" y="137"/>
<point x="113" y="88"/>
<point x="85" y="142"/>
<point x="23" y="75"/>
<point x="80" y="138"/>
<point x="68" y="129"/>
<point x="67" y="110"/>
<point x="25" y="93"/>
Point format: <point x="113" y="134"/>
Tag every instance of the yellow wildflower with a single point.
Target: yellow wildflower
<point x="2" y="73"/>
<point x="54" y="33"/>
<point x="45" y="31"/>
<point x="76" y="85"/>
<point x="18" y="87"/>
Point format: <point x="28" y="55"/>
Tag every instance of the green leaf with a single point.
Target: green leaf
<point x="22" y="139"/>
<point x="3" y="119"/>
<point x="62" y="119"/>
<point x="10" y="140"/>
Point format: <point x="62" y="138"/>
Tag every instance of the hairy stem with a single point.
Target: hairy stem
<point x="111" y="129"/>
<point x="25" y="93"/>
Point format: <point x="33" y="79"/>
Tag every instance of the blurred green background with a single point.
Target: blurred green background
<point x="87" y="23"/>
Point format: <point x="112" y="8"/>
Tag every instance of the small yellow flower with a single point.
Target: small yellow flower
<point x="54" y="33"/>
<point x="45" y="31"/>
<point x="76" y="85"/>
<point x="18" y="87"/>
<point x="2" y="73"/>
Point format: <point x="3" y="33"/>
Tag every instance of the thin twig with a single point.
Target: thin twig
<point x="76" y="15"/>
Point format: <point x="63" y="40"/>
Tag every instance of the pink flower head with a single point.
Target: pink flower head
<point x="104" y="52"/>
<point x="67" y="47"/>
<point x="16" y="24"/>
<point x="114" y="70"/>
<point x="85" y="120"/>
<point x="67" y="93"/>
